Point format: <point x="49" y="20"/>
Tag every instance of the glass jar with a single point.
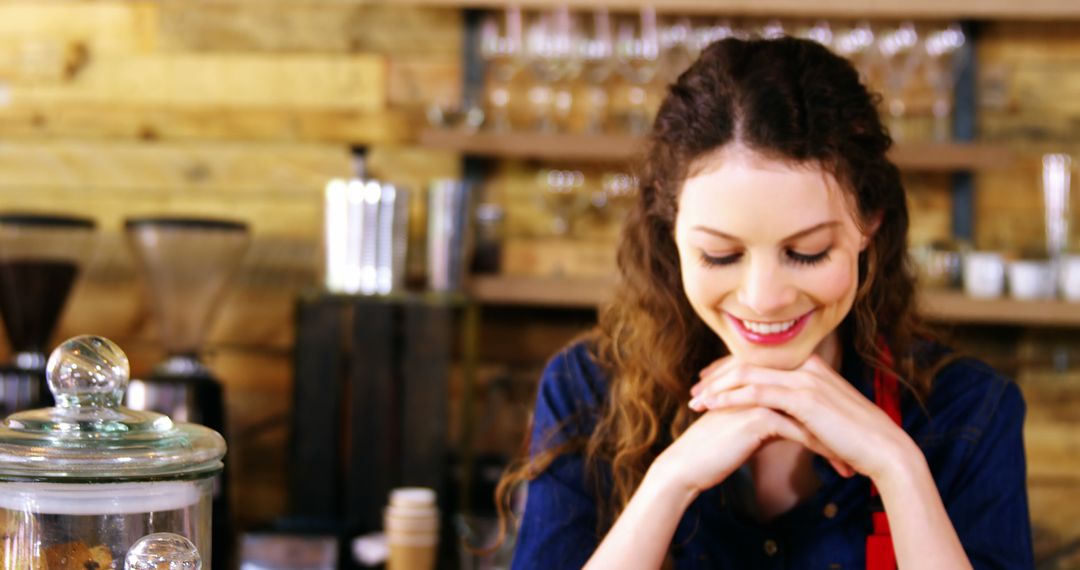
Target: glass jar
<point x="91" y="484"/>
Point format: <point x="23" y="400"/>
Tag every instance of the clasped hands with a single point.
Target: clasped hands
<point x="744" y="406"/>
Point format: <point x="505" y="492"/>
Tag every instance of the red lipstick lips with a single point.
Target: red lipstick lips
<point x="770" y="338"/>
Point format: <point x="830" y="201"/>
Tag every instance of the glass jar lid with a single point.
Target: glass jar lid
<point x="90" y="437"/>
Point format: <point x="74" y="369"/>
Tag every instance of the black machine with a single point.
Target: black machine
<point x="187" y="265"/>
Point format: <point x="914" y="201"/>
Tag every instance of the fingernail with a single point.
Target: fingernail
<point x="695" y="404"/>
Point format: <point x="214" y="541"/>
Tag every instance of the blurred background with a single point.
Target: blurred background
<point x="349" y="233"/>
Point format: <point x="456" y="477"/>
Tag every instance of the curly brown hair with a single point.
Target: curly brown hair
<point x="786" y="99"/>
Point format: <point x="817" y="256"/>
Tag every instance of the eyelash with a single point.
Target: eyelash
<point x="792" y="255"/>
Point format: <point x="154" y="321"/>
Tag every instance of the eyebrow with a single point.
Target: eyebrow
<point x="792" y="237"/>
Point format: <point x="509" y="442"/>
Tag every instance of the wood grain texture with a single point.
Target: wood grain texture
<point x="228" y="167"/>
<point x="419" y="81"/>
<point x="1033" y="10"/>
<point x="103" y="26"/>
<point x="32" y="120"/>
<point x="305" y="26"/>
<point x="346" y="82"/>
<point x="1029" y="82"/>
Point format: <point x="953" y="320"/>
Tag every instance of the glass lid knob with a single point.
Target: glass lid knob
<point x="163" y="551"/>
<point x="87" y="371"/>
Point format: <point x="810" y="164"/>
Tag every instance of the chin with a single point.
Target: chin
<point x="778" y="358"/>
<point x="788" y="356"/>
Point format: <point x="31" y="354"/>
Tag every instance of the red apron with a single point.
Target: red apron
<point x="879" y="546"/>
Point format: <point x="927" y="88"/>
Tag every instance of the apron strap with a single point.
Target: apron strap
<point x="879" y="546"/>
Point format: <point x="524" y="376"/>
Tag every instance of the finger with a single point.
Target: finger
<point x="790" y="429"/>
<point x="722" y="377"/>
<point x="718" y="367"/>
<point x="775" y="396"/>
<point x="814" y="444"/>
<point x="743" y="376"/>
<point x="845" y="470"/>
<point x="715" y="365"/>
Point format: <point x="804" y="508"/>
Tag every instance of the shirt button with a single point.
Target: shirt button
<point x="830" y="510"/>
<point x="771" y="547"/>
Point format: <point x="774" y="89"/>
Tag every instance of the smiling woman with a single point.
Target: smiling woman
<point x="761" y="391"/>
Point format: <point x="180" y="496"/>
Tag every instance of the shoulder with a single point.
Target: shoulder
<point x="970" y="398"/>
<point x="572" y="389"/>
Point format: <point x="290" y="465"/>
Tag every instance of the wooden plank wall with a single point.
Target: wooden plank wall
<point x="237" y="109"/>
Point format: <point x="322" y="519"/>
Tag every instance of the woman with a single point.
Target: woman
<point x="761" y="391"/>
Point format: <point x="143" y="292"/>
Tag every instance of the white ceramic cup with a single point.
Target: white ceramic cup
<point x="984" y="274"/>
<point x="1031" y="279"/>
<point x="1069" y="276"/>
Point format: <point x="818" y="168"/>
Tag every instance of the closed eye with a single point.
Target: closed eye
<point x="808" y="258"/>
<point x="714" y="261"/>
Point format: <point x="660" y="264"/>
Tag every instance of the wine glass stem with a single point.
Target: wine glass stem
<point x="597" y="115"/>
<point x="564" y="105"/>
<point x="638" y="118"/>
<point x="499" y="108"/>
<point x="942" y="115"/>
<point x="897" y="110"/>
<point x="541" y="95"/>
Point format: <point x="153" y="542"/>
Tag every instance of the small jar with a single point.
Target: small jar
<point x="487" y="251"/>
<point x="91" y="484"/>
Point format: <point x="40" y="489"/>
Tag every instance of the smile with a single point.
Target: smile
<point x="775" y="332"/>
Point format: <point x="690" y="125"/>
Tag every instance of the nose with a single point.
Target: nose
<point x="766" y="289"/>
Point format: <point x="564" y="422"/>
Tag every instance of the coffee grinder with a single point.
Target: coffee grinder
<point x="40" y="258"/>
<point x="187" y="265"/>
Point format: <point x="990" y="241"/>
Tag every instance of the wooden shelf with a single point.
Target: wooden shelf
<point x="540" y="291"/>
<point x="941" y="306"/>
<point x="955" y="307"/>
<point x="603" y="148"/>
<point x="928" y="9"/>
<point x="622" y="148"/>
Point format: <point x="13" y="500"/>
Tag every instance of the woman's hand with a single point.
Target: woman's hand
<point x="852" y="428"/>
<point x="720" y="441"/>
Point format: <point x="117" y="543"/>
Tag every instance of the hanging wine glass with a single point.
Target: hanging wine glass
<point x="943" y="62"/>
<point x="818" y="31"/>
<point x="710" y="31"/>
<point x="900" y="58"/>
<point x="554" y="61"/>
<point x="677" y="47"/>
<point x="855" y="42"/>
<point x="637" y="50"/>
<point x="567" y="62"/>
<point x="772" y="29"/>
<point x="597" y="55"/>
<point x="500" y="48"/>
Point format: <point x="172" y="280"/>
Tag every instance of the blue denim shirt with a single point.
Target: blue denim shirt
<point x="971" y="436"/>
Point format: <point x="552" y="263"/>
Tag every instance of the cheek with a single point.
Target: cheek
<point x="834" y="283"/>
<point x="704" y="286"/>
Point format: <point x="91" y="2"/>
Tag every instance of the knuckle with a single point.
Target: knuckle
<point x="756" y="392"/>
<point x="762" y="417"/>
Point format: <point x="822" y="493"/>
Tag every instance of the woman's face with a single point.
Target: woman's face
<point x="769" y="255"/>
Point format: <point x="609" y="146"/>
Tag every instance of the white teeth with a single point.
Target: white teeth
<point x="768" y="328"/>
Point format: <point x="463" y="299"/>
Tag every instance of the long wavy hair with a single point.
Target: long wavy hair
<point x="787" y="99"/>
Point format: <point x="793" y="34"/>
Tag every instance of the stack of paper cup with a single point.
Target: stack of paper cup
<point x="411" y="522"/>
